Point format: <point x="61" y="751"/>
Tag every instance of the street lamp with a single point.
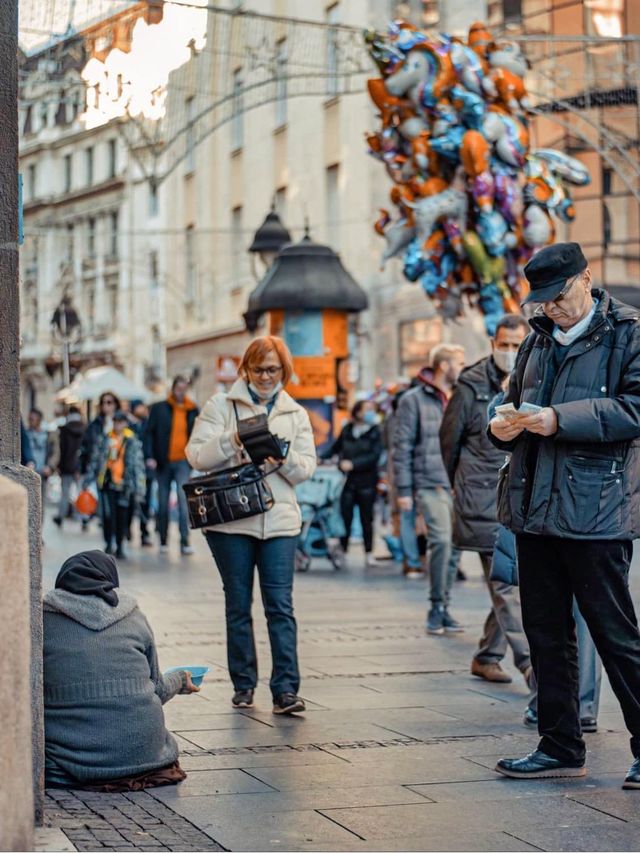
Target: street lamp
<point x="66" y="323"/>
<point x="270" y="237"/>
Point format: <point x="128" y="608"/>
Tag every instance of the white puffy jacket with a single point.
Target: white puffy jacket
<point x="212" y="447"/>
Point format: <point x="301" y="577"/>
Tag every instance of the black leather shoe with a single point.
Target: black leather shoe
<point x="589" y="724"/>
<point x="537" y="765"/>
<point x="530" y="719"/>
<point x="632" y="779"/>
<point x="288" y="703"/>
<point x="242" y="699"/>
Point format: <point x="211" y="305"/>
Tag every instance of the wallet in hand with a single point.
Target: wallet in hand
<point x="259" y="441"/>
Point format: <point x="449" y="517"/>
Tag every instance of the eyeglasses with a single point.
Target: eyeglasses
<point x="108" y="402"/>
<point x="271" y="372"/>
<point x="565" y="290"/>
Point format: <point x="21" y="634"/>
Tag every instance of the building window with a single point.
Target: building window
<point x="190" y="161"/>
<point x="605" y="17"/>
<point x="606" y="226"/>
<point x="153" y="199"/>
<point x="68" y="165"/>
<point x="280" y="203"/>
<point x="88" y="161"/>
<point x="237" y="121"/>
<point x="332" y="63"/>
<point x="113" y="157"/>
<point x="32" y="177"/>
<point x="153" y="270"/>
<point x="607" y="179"/>
<point x="281" y="83"/>
<point x="28" y="116"/>
<point x="113" y="234"/>
<point x="70" y="240"/>
<point x="512" y="11"/>
<point x="237" y="247"/>
<point x="61" y="112"/>
<point x="190" y="265"/>
<point x="91" y="237"/>
<point x="333" y="206"/>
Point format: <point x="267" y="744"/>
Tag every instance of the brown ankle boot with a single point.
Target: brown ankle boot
<point x="490" y="672"/>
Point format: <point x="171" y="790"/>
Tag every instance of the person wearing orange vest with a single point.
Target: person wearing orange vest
<point x="165" y="440"/>
<point x="117" y="465"/>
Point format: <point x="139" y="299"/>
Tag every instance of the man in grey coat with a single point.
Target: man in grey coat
<point x="571" y="494"/>
<point x="472" y="464"/>
<point x="420" y="474"/>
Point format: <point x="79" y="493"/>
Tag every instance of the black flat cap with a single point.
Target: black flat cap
<point x="548" y="270"/>
<point x="120" y="416"/>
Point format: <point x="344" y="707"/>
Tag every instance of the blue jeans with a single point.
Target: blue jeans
<point x="236" y="556"/>
<point x="180" y="472"/>
<point x="436" y="506"/>
<point x="409" y="539"/>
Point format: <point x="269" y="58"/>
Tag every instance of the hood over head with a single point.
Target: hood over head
<point x="90" y="573"/>
<point x="89" y="610"/>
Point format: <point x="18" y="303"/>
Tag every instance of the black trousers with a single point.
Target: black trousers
<point x="364" y="497"/>
<point x="552" y="570"/>
<point x="115" y="516"/>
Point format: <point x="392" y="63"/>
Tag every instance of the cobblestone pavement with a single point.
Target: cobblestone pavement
<point x="395" y="752"/>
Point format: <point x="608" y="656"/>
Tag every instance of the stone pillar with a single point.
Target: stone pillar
<point x="16" y="795"/>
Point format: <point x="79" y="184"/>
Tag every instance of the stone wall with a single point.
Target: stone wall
<point x="16" y="796"/>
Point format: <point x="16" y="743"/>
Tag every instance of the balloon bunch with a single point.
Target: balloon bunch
<point x="472" y="201"/>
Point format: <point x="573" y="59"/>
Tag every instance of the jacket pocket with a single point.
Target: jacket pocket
<point x="591" y="497"/>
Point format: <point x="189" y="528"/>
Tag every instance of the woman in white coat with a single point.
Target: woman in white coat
<point x="266" y="541"/>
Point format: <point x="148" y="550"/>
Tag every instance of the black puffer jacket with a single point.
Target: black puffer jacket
<point x="583" y="482"/>
<point x="417" y="457"/>
<point x="71" y="435"/>
<point x="471" y="460"/>
<point x="364" y="452"/>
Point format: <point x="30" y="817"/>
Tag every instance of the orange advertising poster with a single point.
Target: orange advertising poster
<point x="317" y="378"/>
<point x="336" y="333"/>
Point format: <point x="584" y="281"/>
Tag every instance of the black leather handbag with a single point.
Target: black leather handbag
<point x="233" y="493"/>
<point x="229" y="495"/>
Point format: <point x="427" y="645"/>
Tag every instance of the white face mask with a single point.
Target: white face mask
<point x="276" y="390"/>
<point x="505" y="360"/>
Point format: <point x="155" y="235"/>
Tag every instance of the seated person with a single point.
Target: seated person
<point x="103" y="690"/>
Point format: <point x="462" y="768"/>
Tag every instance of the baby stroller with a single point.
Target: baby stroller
<point x="319" y="500"/>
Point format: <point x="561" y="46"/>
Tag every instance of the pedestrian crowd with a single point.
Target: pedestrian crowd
<point x="529" y="458"/>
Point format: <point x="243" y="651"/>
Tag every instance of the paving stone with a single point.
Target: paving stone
<point x="389" y="821"/>
<point x="594" y="836"/>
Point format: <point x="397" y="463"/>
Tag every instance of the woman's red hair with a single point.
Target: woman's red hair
<point x="259" y="348"/>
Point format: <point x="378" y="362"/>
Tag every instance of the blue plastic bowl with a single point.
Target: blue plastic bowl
<point x="197" y="672"/>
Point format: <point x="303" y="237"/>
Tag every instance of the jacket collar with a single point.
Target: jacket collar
<point x="608" y="308"/>
<point x="239" y="393"/>
<point x="483" y="372"/>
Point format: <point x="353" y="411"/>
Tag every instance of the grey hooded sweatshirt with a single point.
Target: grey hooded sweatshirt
<point x="103" y="691"/>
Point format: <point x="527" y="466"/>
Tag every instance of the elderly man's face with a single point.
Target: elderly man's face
<point x="573" y="303"/>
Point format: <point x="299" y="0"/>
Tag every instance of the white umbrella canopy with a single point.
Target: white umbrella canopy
<point x="95" y="381"/>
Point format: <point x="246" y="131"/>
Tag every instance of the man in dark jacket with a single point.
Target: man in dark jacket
<point x="571" y="494"/>
<point x="472" y="464"/>
<point x="70" y="441"/>
<point x="165" y="440"/>
<point x="420" y="474"/>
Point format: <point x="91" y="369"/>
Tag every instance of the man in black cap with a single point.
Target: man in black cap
<point x="571" y="494"/>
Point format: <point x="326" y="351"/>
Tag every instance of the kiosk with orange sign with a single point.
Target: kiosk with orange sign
<point x="308" y="296"/>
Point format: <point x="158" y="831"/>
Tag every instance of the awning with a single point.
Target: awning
<point x="95" y="381"/>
